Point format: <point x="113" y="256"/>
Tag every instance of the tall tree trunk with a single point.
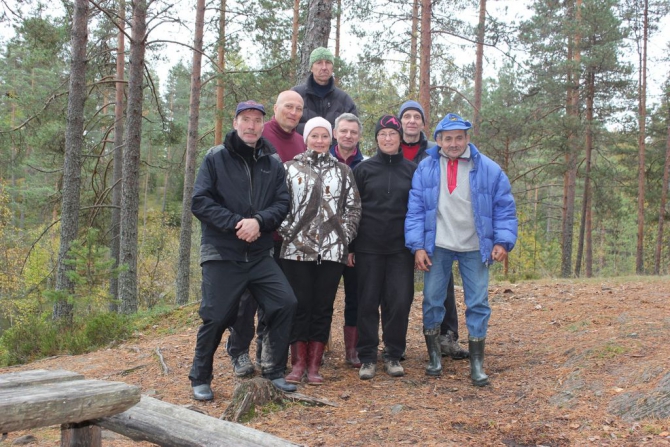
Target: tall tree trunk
<point x="317" y="31"/>
<point x="642" y="117"/>
<point x="338" y="24"/>
<point x="570" y="178"/>
<point x="413" y="47"/>
<point x="294" y="38"/>
<point x="664" y="197"/>
<point x="168" y="171"/>
<point x="424" y="69"/>
<point x="479" y="68"/>
<point x="115" y="234"/>
<point x="220" y="90"/>
<point x="74" y="140"/>
<point x="130" y="198"/>
<point x="184" y="268"/>
<point x="585" y="226"/>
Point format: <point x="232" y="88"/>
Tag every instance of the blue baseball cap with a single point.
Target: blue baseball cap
<point x="249" y="105"/>
<point x="451" y="122"/>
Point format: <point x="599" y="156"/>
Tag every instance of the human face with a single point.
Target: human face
<point x="318" y="140"/>
<point x="388" y="141"/>
<point x="322" y="71"/>
<point x="249" y="126"/>
<point x="348" y="135"/>
<point x="288" y="110"/>
<point x="412" y="126"/>
<point x="453" y="142"/>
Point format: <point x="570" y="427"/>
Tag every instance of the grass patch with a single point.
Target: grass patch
<point x="610" y="350"/>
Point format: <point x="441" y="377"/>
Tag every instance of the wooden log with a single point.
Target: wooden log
<point x="83" y="434"/>
<point x="36" y="377"/>
<point x="42" y="405"/>
<point x="170" y="425"/>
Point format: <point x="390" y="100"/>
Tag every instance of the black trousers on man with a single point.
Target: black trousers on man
<point x="450" y="321"/>
<point x="223" y="283"/>
<point x="386" y="281"/>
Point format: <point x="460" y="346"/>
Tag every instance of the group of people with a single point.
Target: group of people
<point x="289" y="207"/>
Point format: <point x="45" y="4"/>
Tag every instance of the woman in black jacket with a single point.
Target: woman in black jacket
<point x="384" y="266"/>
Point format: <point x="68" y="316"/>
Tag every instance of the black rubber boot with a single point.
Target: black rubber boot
<point x="477" y="374"/>
<point x="432" y="336"/>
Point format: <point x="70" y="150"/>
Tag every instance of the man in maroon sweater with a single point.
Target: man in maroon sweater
<point x="281" y="132"/>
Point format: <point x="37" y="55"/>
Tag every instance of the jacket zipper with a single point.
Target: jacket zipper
<point x="251" y="201"/>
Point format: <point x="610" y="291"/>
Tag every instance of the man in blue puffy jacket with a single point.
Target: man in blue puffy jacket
<point x="460" y="208"/>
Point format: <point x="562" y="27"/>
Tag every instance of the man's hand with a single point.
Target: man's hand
<point x="499" y="253"/>
<point x="248" y="230"/>
<point x="351" y="260"/>
<point x="421" y="260"/>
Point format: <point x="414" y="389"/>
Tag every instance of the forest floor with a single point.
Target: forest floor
<point x="571" y="363"/>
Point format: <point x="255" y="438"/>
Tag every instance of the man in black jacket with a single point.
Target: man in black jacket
<point x="240" y="197"/>
<point x="321" y="96"/>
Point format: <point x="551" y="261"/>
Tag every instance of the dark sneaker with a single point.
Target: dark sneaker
<point x="394" y="368"/>
<point x="283" y="385"/>
<point x="450" y="347"/>
<point x="203" y="392"/>
<point x="242" y="365"/>
<point x="367" y="371"/>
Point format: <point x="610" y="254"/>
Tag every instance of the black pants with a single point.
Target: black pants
<point x="450" y="321"/>
<point x="223" y="283"/>
<point x="242" y="331"/>
<point x="385" y="281"/>
<point x="350" y="296"/>
<point x="315" y="287"/>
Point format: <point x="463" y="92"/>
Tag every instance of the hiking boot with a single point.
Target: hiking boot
<point x="394" y="368"/>
<point x="242" y="365"/>
<point x="203" y="392"/>
<point x="449" y="346"/>
<point x="367" y="371"/>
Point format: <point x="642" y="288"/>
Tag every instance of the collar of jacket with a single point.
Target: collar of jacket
<point x="390" y="159"/>
<point x="310" y="84"/>
<point x="434" y="152"/>
<point x="316" y="158"/>
<point x="235" y="144"/>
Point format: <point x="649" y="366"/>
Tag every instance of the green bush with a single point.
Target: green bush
<point x="39" y="336"/>
<point x="103" y="328"/>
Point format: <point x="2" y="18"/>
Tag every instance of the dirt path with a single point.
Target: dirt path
<point x="567" y="360"/>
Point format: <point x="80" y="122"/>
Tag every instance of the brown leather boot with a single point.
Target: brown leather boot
<point x="350" y="340"/>
<point x="314" y="354"/>
<point x="298" y="361"/>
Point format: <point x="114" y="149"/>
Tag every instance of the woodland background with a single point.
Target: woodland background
<point x="98" y="152"/>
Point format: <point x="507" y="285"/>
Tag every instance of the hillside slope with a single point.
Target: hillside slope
<point x="572" y="362"/>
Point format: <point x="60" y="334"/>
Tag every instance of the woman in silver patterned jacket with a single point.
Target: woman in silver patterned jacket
<point x="322" y="221"/>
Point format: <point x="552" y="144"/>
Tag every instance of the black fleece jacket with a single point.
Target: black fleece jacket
<point x="383" y="182"/>
<point x="235" y="182"/>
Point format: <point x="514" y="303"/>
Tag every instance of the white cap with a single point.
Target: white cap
<point x="314" y="123"/>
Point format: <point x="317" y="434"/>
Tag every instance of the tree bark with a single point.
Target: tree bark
<point x="424" y="69"/>
<point x="479" y="68"/>
<point x="131" y="161"/>
<point x="585" y="226"/>
<point x="413" y="47"/>
<point x="664" y="198"/>
<point x="338" y="29"/>
<point x="115" y="233"/>
<point x="317" y="31"/>
<point x="570" y="177"/>
<point x="642" y="116"/>
<point x="294" y="38"/>
<point x="220" y="90"/>
<point x="74" y="141"/>
<point x="184" y="268"/>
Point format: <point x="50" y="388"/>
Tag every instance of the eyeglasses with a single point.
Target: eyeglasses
<point x="385" y="135"/>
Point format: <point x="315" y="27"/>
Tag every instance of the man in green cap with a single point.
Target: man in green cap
<point x="319" y="93"/>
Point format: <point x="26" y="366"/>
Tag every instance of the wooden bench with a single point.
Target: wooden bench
<point x="41" y="398"/>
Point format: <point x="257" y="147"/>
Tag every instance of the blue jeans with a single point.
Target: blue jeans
<point x="475" y="276"/>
